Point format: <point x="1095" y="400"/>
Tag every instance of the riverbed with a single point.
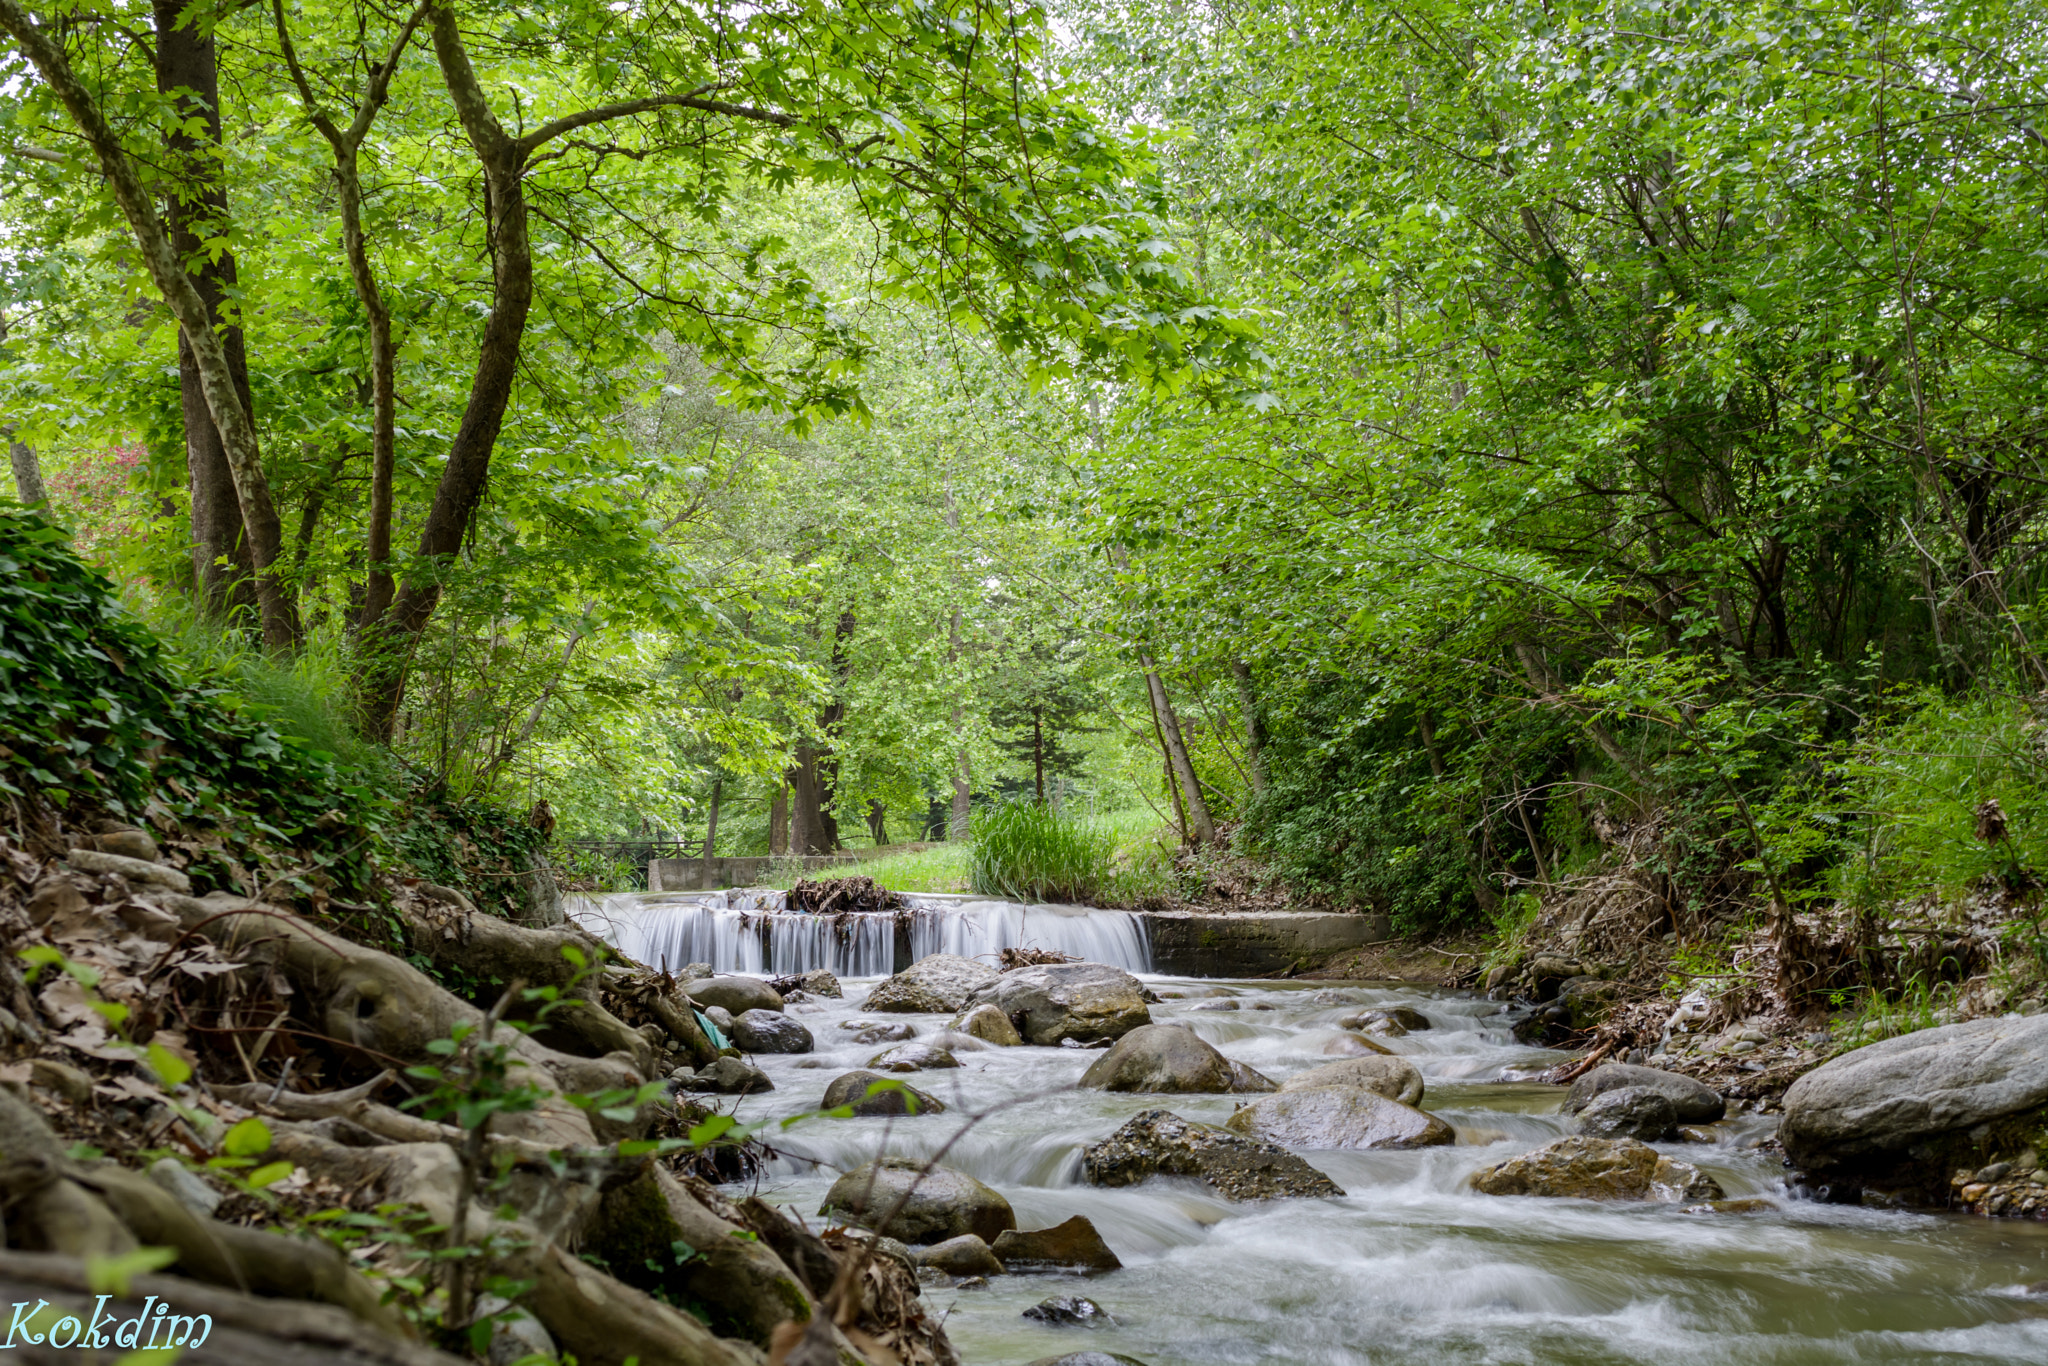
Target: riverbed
<point x="1409" y="1266"/>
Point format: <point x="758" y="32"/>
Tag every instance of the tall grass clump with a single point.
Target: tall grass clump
<point x="1029" y="852"/>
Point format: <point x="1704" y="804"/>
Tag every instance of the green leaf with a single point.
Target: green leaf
<point x="173" y="1071"/>
<point x="250" y="1138"/>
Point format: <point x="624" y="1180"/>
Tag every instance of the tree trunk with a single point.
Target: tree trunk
<point x="186" y="60"/>
<point x="1199" y="829"/>
<point x="224" y="400"/>
<point x="28" y="471"/>
<point x="1549" y="687"/>
<point x="876" y="828"/>
<point x="812" y="829"/>
<point x="1038" y="755"/>
<point x="778" y="820"/>
<point x="464" y="477"/>
<point x="711" y="826"/>
<point x="1254" y="726"/>
<point x="963" y="769"/>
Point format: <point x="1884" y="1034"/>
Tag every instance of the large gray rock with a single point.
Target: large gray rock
<point x="913" y="1057"/>
<point x="1394" y="1078"/>
<point x="1169" y="1058"/>
<point x="1084" y="1002"/>
<point x="900" y="1098"/>
<point x="1598" y="1169"/>
<point x="1160" y="1143"/>
<point x="937" y="982"/>
<point x="1339" y="1117"/>
<point x="1693" y="1102"/>
<point x="1392" y="1020"/>
<point x="736" y="994"/>
<point x="728" y="1077"/>
<point x="990" y="1025"/>
<point x="1934" y="1088"/>
<point x="937" y="1205"/>
<point x="1628" y="1112"/>
<point x="770" y="1031"/>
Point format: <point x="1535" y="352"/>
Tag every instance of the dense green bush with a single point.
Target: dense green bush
<point x="93" y="710"/>
<point x="1033" y="853"/>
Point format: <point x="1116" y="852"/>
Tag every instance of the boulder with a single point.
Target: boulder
<point x="1055" y="1002"/>
<point x="966" y="1255"/>
<point x="872" y="1032"/>
<point x="1225" y="1004"/>
<point x="1161" y="1143"/>
<point x="736" y="994"/>
<point x="852" y="1089"/>
<point x="937" y="982"/>
<point x="936" y="1205"/>
<point x="987" y="1023"/>
<point x="721" y="1017"/>
<point x="1628" y="1112"/>
<point x="1339" y="1117"/>
<point x="1402" y="1018"/>
<point x="1069" y="1310"/>
<point x="1584" y="1002"/>
<point x="1355" y="1046"/>
<point x="1949" y="1093"/>
<point x="1072" y="1246"/>
<point x="1693" y="1102"/>
<point x="913" y="1057"/>
<point x="1168" y="1058"/>
<point x="820" y="982"/>
<point x="1394" y="1078"/>
<point x="770" y="1031"/>
<point x="727" y="1077"/>
<point x="1598" y="1169"/>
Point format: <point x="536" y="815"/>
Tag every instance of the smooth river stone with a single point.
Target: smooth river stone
<point x="989" y="1024"/>
<point x="1339" y="1117"/>
<point x="1693" y="1102"/>
<point x="1394" y="1078"/>
<point x="1161" y="1143"/>
<point x="1056" y="1002"/>
<point x="943" y="1204"/>
<point x="1169" y="1058"/>
<point x="934" y="983"/>
<point x="852" y="1089"/>
<point x="913" y="1057"/>
<point x="736" y="994"/>
<point x="1598" y="1169"/>
<point x="1354" y="1046"/>
<point x="1071" y="1246"/>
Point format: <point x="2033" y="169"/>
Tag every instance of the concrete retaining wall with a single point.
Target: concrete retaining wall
<point x="1197" y="945"/>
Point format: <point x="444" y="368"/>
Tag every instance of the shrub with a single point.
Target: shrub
<point x="1032" y="853"/>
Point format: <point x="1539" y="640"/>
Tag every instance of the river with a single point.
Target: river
<point x="1410" y="1266"/>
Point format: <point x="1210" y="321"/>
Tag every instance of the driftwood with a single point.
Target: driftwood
<point x="836" y="895"/>
<point x="606" y="1323"/>
<point x="244" y="1330"/>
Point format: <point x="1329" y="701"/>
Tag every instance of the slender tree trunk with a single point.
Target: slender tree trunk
<point x="28" y="471"/>
<point x="224" y="399"/>
<point x="1254" y="725"/>
<point x="711" y="826"/>
<point x="877" y="826"/>
<point x="186" y="61"/>
<point x="778" y="820"/>
<point x="346" y="143"/>
<point x="1199" y="829"/>
<point x="463" y="479"/>
<point x="1038" y="756"/>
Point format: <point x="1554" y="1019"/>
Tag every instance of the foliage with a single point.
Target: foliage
<point x="94" y="709"/>
<point x="1029" y="852"/>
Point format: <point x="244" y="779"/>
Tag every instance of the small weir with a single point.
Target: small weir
<point x="752" y="930"/>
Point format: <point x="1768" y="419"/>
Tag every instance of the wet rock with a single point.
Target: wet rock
<point x="1402" y="1018"/>
<point x="953" y="1041"/>
<point x="736" y="994"/>
<point x="1087" y="1359"/>
<point x="1161" y="1143"/>
<point x="1693" y="1102"/>
<point x="1584" y="1002"/>
<point x="1354" y="1046"/>
<point x="721" y="1017"/>
<point x="1955" y="1087"/>
<point x="987" y="1023"/>
<point x="770" y="1031"/>
<point x="938" y="1205"/>
<point x="1598" y="1169"/>
<point x="937" y="982"/>
<point x="852" y="1089"/>
<point x="1628" y="1112"/>
<point x="966" y="1255"/>
<point x="1071" y="1246"/>
<point x="821" y="982"/>
<point x="972" y="1283"/>
<point x="1168" y="1058"/>
<point x="728" y="1077"/>
<point x="872" y="1032"/>
<point x="1225" y="1004"/>
<point x="1054" y="1002"/>
<point x="1730" y="1207"/>
<point x="1394" y="1078"/>
<point x="913" y="1057"/>
<point x="894" y="1249"/>
<point x="1339" y="1117"/>
<point x="1070" y="1310"/>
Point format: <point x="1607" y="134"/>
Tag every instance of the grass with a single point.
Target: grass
<point x="1130" y="859"/>
<point x="1033" y="853"/>
<point x="941" y="868"/>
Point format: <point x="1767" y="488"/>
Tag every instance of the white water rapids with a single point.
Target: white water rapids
<point x="1410" y="1268"/>
<point x="748" y="931"/>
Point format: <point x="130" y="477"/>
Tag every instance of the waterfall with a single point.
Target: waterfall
<point x="751" y="931"/>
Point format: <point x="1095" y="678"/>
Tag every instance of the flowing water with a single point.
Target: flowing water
<point x="1410" y="1266"/>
